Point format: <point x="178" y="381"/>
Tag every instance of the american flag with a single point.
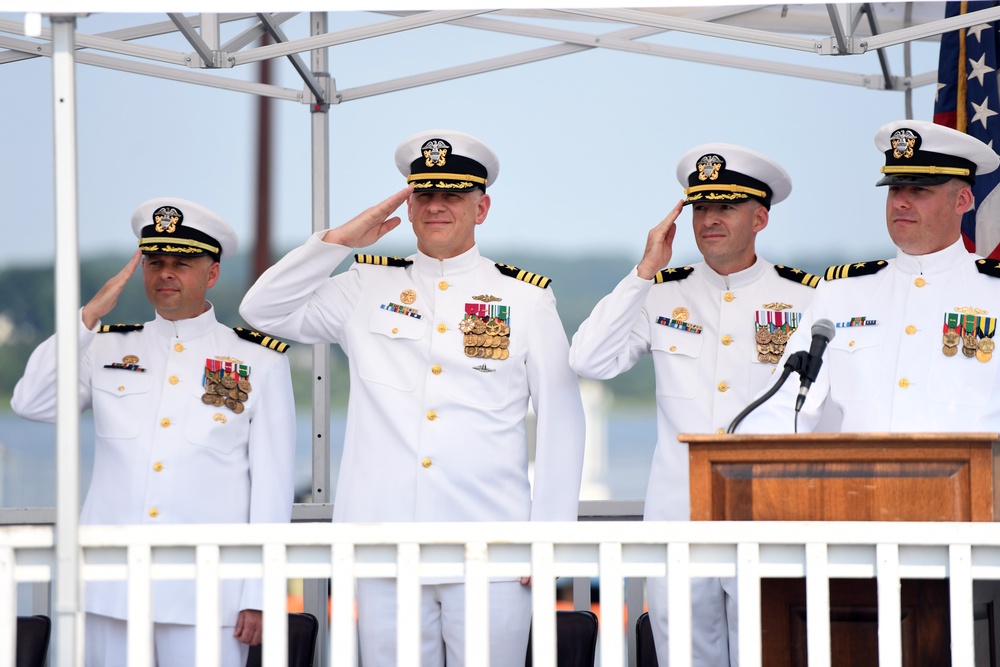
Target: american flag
<point x="968" y="100"/>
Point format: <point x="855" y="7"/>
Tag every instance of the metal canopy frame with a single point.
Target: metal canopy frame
<point x="830" y="30"/>
<point x="844" y="29"/>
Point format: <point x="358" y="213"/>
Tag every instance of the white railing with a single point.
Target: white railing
<point x="609" y="551"/>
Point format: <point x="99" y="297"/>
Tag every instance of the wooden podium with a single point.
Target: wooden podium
<point x="848" y="477"/>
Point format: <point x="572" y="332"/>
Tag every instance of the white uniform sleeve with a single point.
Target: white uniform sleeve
<point x="35" y="393"/>
<point x="272" y="458"/>
<point x="297" y="299"/>
<point x="560" y="429"/>
<point x="616" y="335"/>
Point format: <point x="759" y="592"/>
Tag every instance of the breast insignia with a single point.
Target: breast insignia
<point x="797" y="275"/>
<point x="382" y="260"/>
<point x="988" y="267"/>
<point x="670" y="275"/>
<point x="119" y="328"/>
<point x="854" y="270"/>
<point x="525" y="276"/>
<point x="261" y="339"/>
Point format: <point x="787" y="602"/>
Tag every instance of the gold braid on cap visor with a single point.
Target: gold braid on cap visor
<point x="737" y="190"/>
<point x="456" y="177"/>
<point x="934" y="171"/>
<point x="202" y="247"/>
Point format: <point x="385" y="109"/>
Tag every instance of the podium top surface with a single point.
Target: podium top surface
<point x="837" y="438"/>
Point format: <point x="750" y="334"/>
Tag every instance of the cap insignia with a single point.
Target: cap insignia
<point x="709" y="166"/>
<point x="166" y="219"/>
<point x="904" y="142"/>
<point x="435" y="152"/>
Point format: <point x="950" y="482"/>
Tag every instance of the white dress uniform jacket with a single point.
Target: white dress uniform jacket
<point x="162" y="455"/>
<point x="434" y="435"/>
<point x="890" y="373"/>
<point x="703" y="379"/>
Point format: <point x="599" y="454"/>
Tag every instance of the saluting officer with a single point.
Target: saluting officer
<point x="194" y="423"/>
<point x="446" y="349"/>
<point x="716" y="330"/>
<point x="915" y="335"/>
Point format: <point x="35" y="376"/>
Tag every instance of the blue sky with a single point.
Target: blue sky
<point x="588" y="143"/>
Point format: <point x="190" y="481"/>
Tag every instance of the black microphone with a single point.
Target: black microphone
<point x="823" y="332"/>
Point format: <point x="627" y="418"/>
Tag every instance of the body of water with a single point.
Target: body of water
<point x="28" y="468"/>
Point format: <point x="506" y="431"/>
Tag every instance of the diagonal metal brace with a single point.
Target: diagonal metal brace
<point x="201" y="47"/>
<point x="297" y="62"/>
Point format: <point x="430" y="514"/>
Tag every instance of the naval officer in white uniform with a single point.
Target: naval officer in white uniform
<point x="194" y="423"/>
<point x="915" y="335"/>
<point x="716" y="330"/>
<point x="446" y="350"/>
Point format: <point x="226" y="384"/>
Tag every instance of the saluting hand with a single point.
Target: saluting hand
<point x="660" y="244"/>
<point x="371" y="225"/>
<point x="107" y="297"/>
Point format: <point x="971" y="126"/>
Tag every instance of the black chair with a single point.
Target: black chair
<point x="576" y="639"/>
<point x="302" y="631"/>
<point x="645" y="649"/>
<point x="32" y="640"/>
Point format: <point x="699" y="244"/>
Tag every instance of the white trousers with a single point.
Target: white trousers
<point x="173" y="645"/>
<point x="442" y="634"/>
<point x="714" y="621"/>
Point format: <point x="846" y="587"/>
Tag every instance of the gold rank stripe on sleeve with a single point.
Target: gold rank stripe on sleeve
<point x="855" y="269"/>
<point x="381" y="260"/>
<point x="522" y="275"/>
<point x="261" y="339"/>
<point x="670" y="275"/>
<point x="797" y="275"/>
<point x="119" y="328"/>
<point x="988" y="267"/>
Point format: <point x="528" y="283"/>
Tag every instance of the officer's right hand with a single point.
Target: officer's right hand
<point x="371" y="225"/>
<point x="659" y="244"/>
<point x="107" y="297"/>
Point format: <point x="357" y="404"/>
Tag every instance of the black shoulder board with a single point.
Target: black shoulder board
<point x="797" y="275"/>
<point x="855" y="269"/>
<point x="119" y="328"/>
<point x="670" y="275"/>
<point x="526" y="276"/>
<point x="381" y="260"/>
<point x="988" y="267"/>
<point x="261" y="339"/>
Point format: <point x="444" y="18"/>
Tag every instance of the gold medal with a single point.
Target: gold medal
<point x="763" y="336"/>
<point x="680" y="314"/>
<point x="129" y="359"/>
<point x="408" y="296"/>
<point x="244" y="385"/>
<point x="987" y="345"/>
<point x="950" y="350"/>
<point x="780" y="336"/>
<point x="228" y="381"/>
<point x="762" y="357"/>
<point x="951" y="339"/>
<point x="983" y="356"/>
<point x="470" y="350"/>
<point x="504" y="353"/>
<point x="238" y="408"/>
<point x="218" y="401"/>
<point x="207" y="398"/>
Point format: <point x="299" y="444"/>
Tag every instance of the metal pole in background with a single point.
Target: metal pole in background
<point x="67" y="610"/>
<point x="315" y="591"/>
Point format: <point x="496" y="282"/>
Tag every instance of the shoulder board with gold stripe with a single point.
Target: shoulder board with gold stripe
<point x="797" y="275"/>
<point x="119" y="328"/>
<point x="855" y="269"/>
<point x="988" y="267"/>
<point x="382" y="260"/>
<point x="670" y="275"/>
<point x="261" y="339"/>
<point x="526" y="276"/>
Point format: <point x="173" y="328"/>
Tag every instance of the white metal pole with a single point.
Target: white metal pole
<point x="68" y="614"/>
<point x="315" y="591"/>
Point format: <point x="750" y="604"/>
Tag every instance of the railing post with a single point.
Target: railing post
<point x="612" y="603"/>
<point x="343" y="631"/>
<point x="817" y="605"/>
<point x="408" y="614"/>
<point x="890" y="640"/>
<point x="543" y="605"/>
<point x="477" y="605"/>
<point x="748" y="603"/>
<point x="207" y="638"/>
<point x="960" y="588"/>
<point x="140" y="618"/>
<point x="679" y="602"/>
